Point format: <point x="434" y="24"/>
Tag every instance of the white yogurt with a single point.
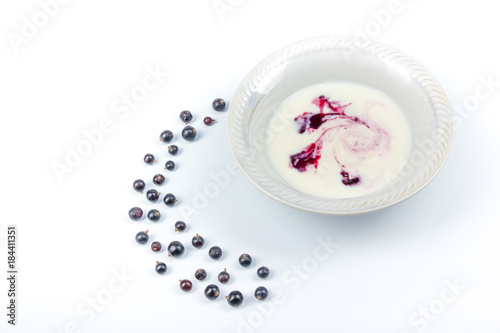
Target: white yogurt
<point x="357" y="136"/>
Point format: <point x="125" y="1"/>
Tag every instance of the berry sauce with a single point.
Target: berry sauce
<point x="331" y="116"/>
<point x="347" y="180"/>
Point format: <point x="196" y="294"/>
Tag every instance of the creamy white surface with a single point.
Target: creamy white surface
<point x="370" y="106"/>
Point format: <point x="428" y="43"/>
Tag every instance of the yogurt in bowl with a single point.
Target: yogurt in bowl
<point x="339" y="140"/>
<point x="339" y="125"/>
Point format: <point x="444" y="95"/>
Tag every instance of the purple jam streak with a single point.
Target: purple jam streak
<point x="308" y="156"/>
<point x="347" y="180"/>
<point x="333" y="119"/>
<point x="312" y="121"/>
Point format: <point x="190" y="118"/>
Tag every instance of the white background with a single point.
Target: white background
<point x="74" y="234"/>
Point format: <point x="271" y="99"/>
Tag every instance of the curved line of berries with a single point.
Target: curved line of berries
<point x="176" y="248"/>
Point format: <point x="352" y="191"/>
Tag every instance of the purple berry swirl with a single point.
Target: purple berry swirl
<point x="352" y="140"/>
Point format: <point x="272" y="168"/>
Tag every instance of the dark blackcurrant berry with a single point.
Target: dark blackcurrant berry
<point x="263" y="272"/>
<point x="173" y="149"/>
<point x="156" y="246"/>
<point x="158" y="179"/>
<point x="215" y="252"/>
<point x="169" y="165"/>
<point x="261" y="293"/>
<point x="166" y="136"/>
<point x="198" y="241"/>
<point x="152" y="195"/>
<point x="208" y="121"/>
<point x="235" y="298"/>
<point x="139" y="185"/>
<point x="149" y="159"/>
<point x="245" y="260"/>
<point x="219" y="104"/>
<point x="142" y="237"/>
<point x="212" y="291"/>
<point x="161" y="268"/>
<point x="223" y="276"/>
<point x="180" y="226"/>
<point x="189" y="133"/>
<point x="200" y="274"/>
<point x="186" y="285"/>
<point x="135" y="213"/>
<point x="186" y="116"/>
<point x="175" y="249"/>
<point x="154" y="215"/>
<point x="169" y="199"/>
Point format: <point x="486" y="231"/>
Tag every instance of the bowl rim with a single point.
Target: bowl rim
<point x="314" y="45"/>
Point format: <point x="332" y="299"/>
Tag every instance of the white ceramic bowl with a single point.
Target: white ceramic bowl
<point x="350" y="59"/>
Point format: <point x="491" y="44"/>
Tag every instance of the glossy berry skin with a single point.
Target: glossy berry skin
<point x="135" y="213"/>
<point x="261" y="293"/>
<point x="173" y="149"/>
<point x="152" y="195"/>
<point x="161" y="268"/>
<point x="186" y="116"/>
<point x="149" y="159"/>
<point x="245" y="260"/>
<point x="200" y="274"/>
<point x="219" y="104"/>
<point x="212" y="291"/>
<point x="180" y="226"/>
<point x="156" y="246"/>
<point x="215" y="252"/>
<point x="154" y="215"/>
<point x="139" y="185"/>
<point x="208" y="121"/>
<point x="169" y="165"/>
<point x="235" y="298"/>
<point x="185" y="285"/>
<point x="198" y="241"/>
<point x="175" y="249"/>
<point x="263" y="272"/>
<point x="189" y="133"/>
<point x="169" y="199"/>
<point x="158" y="179"/>
<point x="166" y="136"/>
<point x="142" y="237"/>
<point x="223" y="276"/>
